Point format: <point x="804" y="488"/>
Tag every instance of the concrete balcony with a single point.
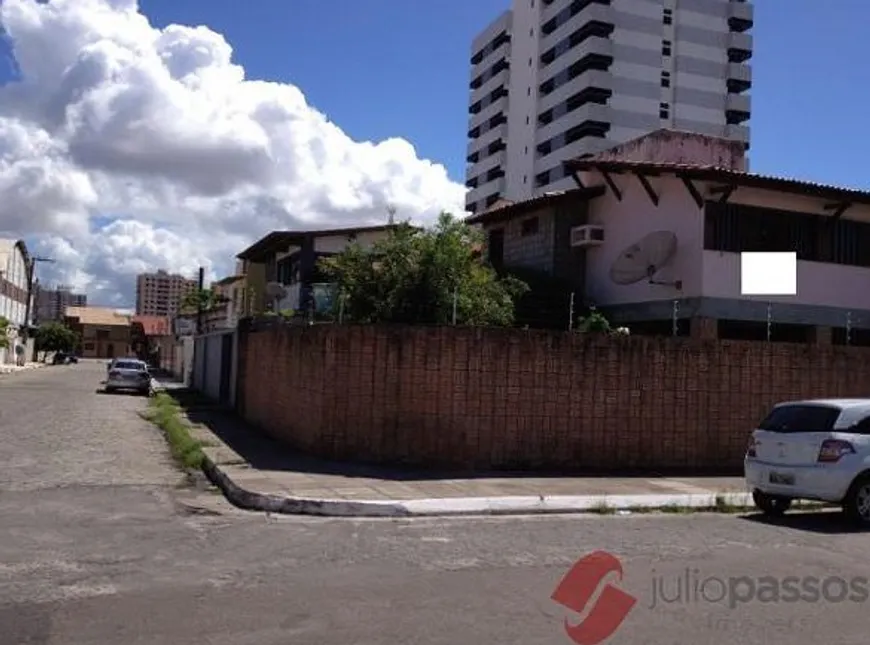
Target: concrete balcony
<point x="497" y="107"/>
<point x="497" y="160"/>
<point x="483" y="141"/>
<point x="740" y="41"/>
<point x="486" y="89"/>
<point x="737" y="132"/>
<point x="485" y="190"/>
<point x="738" y="102"/>
<point x="597" y="12"/>
<point x="741" y="16"/>
<point x="588" y="112"/>
<point x="590" y="78"/>
<point x="740" y="72"/>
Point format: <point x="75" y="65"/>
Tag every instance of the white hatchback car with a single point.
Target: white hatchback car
<point x="814" y="450"/>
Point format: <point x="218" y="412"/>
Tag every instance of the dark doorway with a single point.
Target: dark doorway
<point x="495" y="248"/>
<point x="110" y="351"/>
<point x="226" y="367"/>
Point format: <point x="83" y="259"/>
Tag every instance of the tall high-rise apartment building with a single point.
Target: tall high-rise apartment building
<point x="50" y="303"/>
<point x="553" y="80"/>
<point x="161" y="293"/>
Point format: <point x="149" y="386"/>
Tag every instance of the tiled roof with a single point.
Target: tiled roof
<point x="97" y="316"/>
<point x="154" y="325"/>
<point x="718" y="173"/>
<point x="504" y="209"/>
<point x="279" y="240"/>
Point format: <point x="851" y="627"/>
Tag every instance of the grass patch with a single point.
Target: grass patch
<point x="164" y="411"/>
<point x="676" y="509"/>
<point x="603" y="508"/>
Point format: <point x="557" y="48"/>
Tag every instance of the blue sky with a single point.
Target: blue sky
<point x="382" y="68"/>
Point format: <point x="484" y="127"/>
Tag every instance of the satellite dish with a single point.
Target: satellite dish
<point x="275" y="290"/>
<point x="645" y="258"/>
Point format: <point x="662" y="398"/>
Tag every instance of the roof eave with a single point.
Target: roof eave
<point x="724" y="176"/>
<point x="521" y="208"/>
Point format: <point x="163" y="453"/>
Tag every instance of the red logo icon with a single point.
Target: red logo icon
<point x="576" y="590"/>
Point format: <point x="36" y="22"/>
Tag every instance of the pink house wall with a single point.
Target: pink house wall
<point x="704" y="273"/>
<point x="626" y="222"/>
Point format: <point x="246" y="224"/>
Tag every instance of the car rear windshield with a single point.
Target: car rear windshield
<point x="129" y="365"/>
<point x="801" y="418"/>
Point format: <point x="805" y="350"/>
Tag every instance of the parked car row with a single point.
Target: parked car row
<point x="812" y="450"/>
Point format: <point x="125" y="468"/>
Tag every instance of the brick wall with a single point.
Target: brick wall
<point x="533" y="251"/>
<point x="512" y="399"/>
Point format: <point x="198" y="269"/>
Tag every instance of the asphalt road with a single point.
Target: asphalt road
<point x="100" y="544"/>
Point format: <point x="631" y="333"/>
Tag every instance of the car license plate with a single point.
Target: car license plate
<point x="782" y="479"/>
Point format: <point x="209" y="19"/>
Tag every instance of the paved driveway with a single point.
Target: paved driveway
<point x="95" y="549"/>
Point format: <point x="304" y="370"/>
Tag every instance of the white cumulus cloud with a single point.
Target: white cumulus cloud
<point x="126" y="148"/>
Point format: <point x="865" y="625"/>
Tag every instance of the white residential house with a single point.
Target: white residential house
<point x="14" y="293"/>
<point x="696" y="190"/>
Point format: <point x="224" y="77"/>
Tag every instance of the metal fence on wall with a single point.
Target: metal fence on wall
<point x="555" y="307"/>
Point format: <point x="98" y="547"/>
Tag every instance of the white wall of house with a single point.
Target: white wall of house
<point x="337" y="243"/>
<point x="13" y="268"/>
<point x="705" y="273"/>
<point x="627" y="222"/>
<point x="818" y="283"/>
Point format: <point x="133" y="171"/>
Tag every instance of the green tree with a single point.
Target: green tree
<point x="55" y="337"/>
<point x="413" y="275"/>
<point x="4" y="332"/>
<point x="208" y="299"/>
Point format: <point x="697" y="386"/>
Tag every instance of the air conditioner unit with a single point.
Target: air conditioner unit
<point x="587" y="235"/>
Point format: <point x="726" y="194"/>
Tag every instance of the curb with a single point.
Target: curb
<point x="525" y="505"/>
<point x="250" y="501"/>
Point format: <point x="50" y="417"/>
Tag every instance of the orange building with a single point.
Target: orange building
<point x="104" y="333"/>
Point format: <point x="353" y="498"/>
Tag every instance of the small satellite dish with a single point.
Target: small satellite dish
<point x="275" y="290"/>
<point x="644" y="259"/>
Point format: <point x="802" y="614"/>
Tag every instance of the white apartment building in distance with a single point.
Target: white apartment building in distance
<point x="553" y="80"/>
<point x="161" y="293"/>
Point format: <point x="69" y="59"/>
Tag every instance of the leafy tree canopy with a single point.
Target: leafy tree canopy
<point x="208" y="299"/>
<point x="4" y="332"/>
<point x="412" y="275"/>
<point x="55" y="337"/>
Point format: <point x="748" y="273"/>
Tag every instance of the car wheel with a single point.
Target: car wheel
<point x="771" y="505"/>
<point x="857" y="502"/>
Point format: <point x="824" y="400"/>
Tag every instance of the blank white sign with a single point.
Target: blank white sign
<point x="768" y="274"/>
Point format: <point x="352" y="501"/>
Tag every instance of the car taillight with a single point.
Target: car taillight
<point x="750" y="449"/>
<point x="114" y="374"/>
<point x="833" y="449"/>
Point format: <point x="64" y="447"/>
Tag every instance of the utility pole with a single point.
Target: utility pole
<point x="200" y="285"/>
<point x="391" y="214"/>
<point x="30" y="270"/>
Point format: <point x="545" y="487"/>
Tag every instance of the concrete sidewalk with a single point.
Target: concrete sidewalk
<point x="258" y="473"/>
<point x="13" y="369"/>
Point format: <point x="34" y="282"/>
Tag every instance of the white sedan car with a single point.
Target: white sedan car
<point x="814" y="450"/>
<point x="128" y="374"/>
